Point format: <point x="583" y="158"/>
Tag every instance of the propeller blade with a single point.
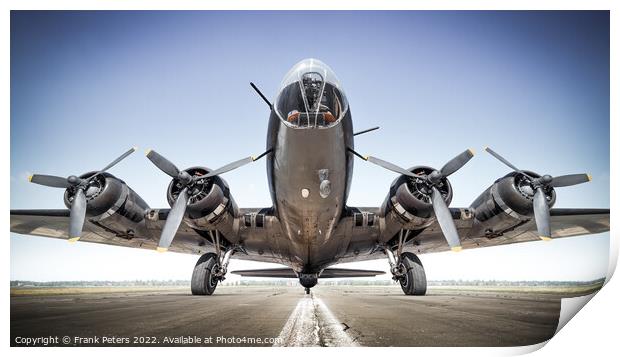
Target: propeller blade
<point x="119" y="159"/>
<point x="456" y="163"/>
<point x="162" y="163"/>
<point x="229" y="167"/>
<point x="116" y="161"/>
<point x="444" y="218"/>
<point x="541" y="215"/>
<point x="570" y="180"/>
<point x="77" y="216"/>
<point x="390" y="166"/>
<point x="51" y="181"/>
<point x="175" y="216"/>
<point x="500" y="158"/>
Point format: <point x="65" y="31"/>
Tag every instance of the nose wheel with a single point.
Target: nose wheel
<point x="307" y="291"/>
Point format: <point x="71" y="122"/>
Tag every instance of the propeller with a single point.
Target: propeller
<point x="539" y="185"/>
<point x="187" y="182"/>
<point x="80" y="186"/>
<point x="430" y="183"/>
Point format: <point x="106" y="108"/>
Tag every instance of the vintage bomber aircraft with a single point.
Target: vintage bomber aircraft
<point x="309" y="225"/>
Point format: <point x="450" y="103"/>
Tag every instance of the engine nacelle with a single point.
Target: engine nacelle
<point x="208" y="199"/>
<point x="107" y="195"/>
<point x="411" y="198"/>
<point x="506" y="204"/>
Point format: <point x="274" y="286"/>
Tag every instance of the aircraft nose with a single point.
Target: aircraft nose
<point x="311" y="96"/>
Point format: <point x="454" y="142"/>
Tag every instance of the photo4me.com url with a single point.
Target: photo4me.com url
<point x="143" y="341"/>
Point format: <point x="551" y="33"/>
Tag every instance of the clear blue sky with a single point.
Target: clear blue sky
<point x="85" y="86"/>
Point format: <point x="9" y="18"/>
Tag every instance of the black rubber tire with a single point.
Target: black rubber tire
<point x="203" y="282"/>
<point x="414" y="281"/>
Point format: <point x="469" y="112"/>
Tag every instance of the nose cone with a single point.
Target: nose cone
<point x="311" y="96"/>
<point x="310" y="65"/>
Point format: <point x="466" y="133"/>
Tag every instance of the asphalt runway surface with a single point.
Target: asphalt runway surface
<point x="285" y="316"/>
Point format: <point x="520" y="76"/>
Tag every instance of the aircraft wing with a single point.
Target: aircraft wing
<point x="565" y="222"/>
<point x="145" y="233"/>
<point x="54" y="223"/>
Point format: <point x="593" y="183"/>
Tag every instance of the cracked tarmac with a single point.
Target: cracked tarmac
<point x="330" y="316"/>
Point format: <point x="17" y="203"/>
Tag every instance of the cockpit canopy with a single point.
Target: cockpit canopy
<point x="311" y="96"/>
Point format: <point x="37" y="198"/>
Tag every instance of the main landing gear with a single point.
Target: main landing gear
<point x="210" y="270"/>
<point x="407" y="269"/>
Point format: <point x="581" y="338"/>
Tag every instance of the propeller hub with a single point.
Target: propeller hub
<point x="546" y="179"/>
<point x="74" y="180"/>
<point x="434" y="177"/>
<point x="185" y="178"/>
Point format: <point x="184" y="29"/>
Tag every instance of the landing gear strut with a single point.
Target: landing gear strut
<point x="307" y="291"/>
<point x="210" y="269"/>
<point x="407" y="269"/>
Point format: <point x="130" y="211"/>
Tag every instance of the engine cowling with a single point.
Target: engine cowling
<point x="107" y="195"/>
<point x="507" y="203"/>
<point x="208" y="199"/>
<point x="410" y="197"/>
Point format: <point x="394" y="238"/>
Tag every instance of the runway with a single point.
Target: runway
<point x="285" y="316"/>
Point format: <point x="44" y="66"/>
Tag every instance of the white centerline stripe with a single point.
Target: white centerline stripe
<point x="312" y="324"/>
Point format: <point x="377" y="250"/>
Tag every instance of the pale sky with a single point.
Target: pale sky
<point x="87" y="86"/>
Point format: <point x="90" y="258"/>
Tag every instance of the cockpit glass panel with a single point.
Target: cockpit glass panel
<point x="311" y="96"/>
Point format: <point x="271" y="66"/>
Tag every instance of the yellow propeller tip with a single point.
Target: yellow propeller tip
<point x="546" y="239"/>
<point x="74" y="239"/>
<point x="162" y="249"/>
<point x="30" y="178"/>
<point x="472" y="152"/>
<point x="253" y="158"/>
<point x="147" y="152"/>
<point x="486" y="148"/>
<point x="135" y="148"/>
<point x="365" y="158"/>
<point x="589" y="177"/>
<point x="457" y="248"/>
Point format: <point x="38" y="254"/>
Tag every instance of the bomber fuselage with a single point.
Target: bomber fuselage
<point x="310" y="168"/>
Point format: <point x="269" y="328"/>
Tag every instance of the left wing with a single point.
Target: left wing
<point x="565" y="222"/>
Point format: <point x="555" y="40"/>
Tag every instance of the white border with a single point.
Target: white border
<point x="593" y="330"/>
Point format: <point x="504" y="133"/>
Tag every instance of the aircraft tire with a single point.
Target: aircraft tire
<point x="414" y="281"/>
<point x="203" y="281"/>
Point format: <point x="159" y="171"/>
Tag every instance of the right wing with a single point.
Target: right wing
<point x="252" y="225"/>
<point x="113" y="230"/>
